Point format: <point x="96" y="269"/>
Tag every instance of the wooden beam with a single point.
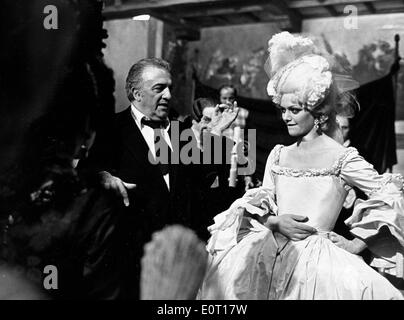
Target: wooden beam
<point x="370" y="7"/>
<point x="138" y="7"/>
<point x="235" y="9"/>
<point x="156" y="4"/>
<point x="185" y="30"/>
<point x="294" y="16"/>
<point x="301" y="4"/>
<point x="390" y="10"/>
<point x="270" y="18"/>
<point x="252" y="17"/>
<point x="188" y="8"/>
<point x="218" y="20"/>
<point x="193" y="8"/>
<point x="332" y="11"/>
<point x="284" y="21"/>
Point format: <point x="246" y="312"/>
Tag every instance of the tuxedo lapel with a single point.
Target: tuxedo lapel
<point x="174" y="137"/>
<point x="133" y="139"/>
<point x="137" y="146"/>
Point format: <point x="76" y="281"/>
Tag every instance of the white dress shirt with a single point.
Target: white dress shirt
<point x="148" y="135"/>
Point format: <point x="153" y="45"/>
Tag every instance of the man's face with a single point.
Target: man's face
<point x="154" y="96"/>
<point x="344" y="125"/>
<point x="227" y="96"/>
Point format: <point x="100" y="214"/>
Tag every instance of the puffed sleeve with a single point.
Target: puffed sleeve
<point x="269" y="180"/>
<point x="258" y="201"/>
<point x="384" y="210"/>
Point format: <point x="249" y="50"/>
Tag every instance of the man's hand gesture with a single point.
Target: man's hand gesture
<point x="224" y="116"/>
<point x="110" y="182"/>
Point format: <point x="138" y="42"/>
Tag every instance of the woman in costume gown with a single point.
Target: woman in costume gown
<point x="276" y="242"/>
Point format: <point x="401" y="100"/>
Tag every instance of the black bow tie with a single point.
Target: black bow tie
<point x="155" y="124"/>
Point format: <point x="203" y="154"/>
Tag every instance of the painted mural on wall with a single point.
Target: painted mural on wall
<point x="222" y="57"/>
<point x="369" y="47"/>
<point x="374" y="61"/>
<point x="175" y="52"/>
<point x="233" y="55"/>
<point x="246" y="73"/>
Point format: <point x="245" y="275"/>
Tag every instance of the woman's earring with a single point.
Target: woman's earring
<point x="317" y="123"/>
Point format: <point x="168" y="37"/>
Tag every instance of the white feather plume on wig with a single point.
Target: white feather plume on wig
<point x="284" y="48"/>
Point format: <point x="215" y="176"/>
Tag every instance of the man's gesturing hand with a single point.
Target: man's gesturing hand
<point x="110" y="182"/>
<point x="291" y="226"/>
<point x="223" y="119"/>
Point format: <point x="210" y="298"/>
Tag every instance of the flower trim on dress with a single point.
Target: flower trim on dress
<point x="297" y="173"/>
<point x="335" y="170"/>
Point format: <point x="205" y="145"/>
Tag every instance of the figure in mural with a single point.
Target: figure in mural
<point x="374" y="62"/>
<point x="242" y="72"/>
<point x="251" y="70"/>
<point x="221" y="68"/>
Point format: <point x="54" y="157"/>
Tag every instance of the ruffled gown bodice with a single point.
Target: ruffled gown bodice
<point x="320" y="198"/>
<point x="318" y="194"/>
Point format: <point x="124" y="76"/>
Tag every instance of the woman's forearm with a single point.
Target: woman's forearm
<point x="272" y="223"/>
<point x="358" y="245"/>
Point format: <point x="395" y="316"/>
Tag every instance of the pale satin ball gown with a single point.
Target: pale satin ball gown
<point x="248" y="261"/>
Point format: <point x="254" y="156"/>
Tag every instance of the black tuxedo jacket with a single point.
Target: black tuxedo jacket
<point x="122" y="151"/>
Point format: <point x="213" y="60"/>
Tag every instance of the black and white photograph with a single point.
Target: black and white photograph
<point x="202" y="154"/>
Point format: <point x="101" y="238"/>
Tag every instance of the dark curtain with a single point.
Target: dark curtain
<point x="372" y="130"/>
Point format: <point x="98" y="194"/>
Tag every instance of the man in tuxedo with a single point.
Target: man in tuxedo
<point x="153" y="194"/>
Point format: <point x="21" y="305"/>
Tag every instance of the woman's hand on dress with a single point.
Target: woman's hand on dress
<point x="354" y="246"/>
<point x="291" y="226"/>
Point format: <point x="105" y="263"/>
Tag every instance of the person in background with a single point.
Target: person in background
<point x="218" y="195"/>
<point x="345" y="128"/>
<point x="228" y="96"/>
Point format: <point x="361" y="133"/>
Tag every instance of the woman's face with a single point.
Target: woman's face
<point x="299" y="121"/>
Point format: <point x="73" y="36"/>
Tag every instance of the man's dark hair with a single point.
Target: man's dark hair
<point x="228" y="86"/>
<point x="134" y="78"/>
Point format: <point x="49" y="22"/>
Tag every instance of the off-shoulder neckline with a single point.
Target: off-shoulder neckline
<point x="335" y="169"/>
